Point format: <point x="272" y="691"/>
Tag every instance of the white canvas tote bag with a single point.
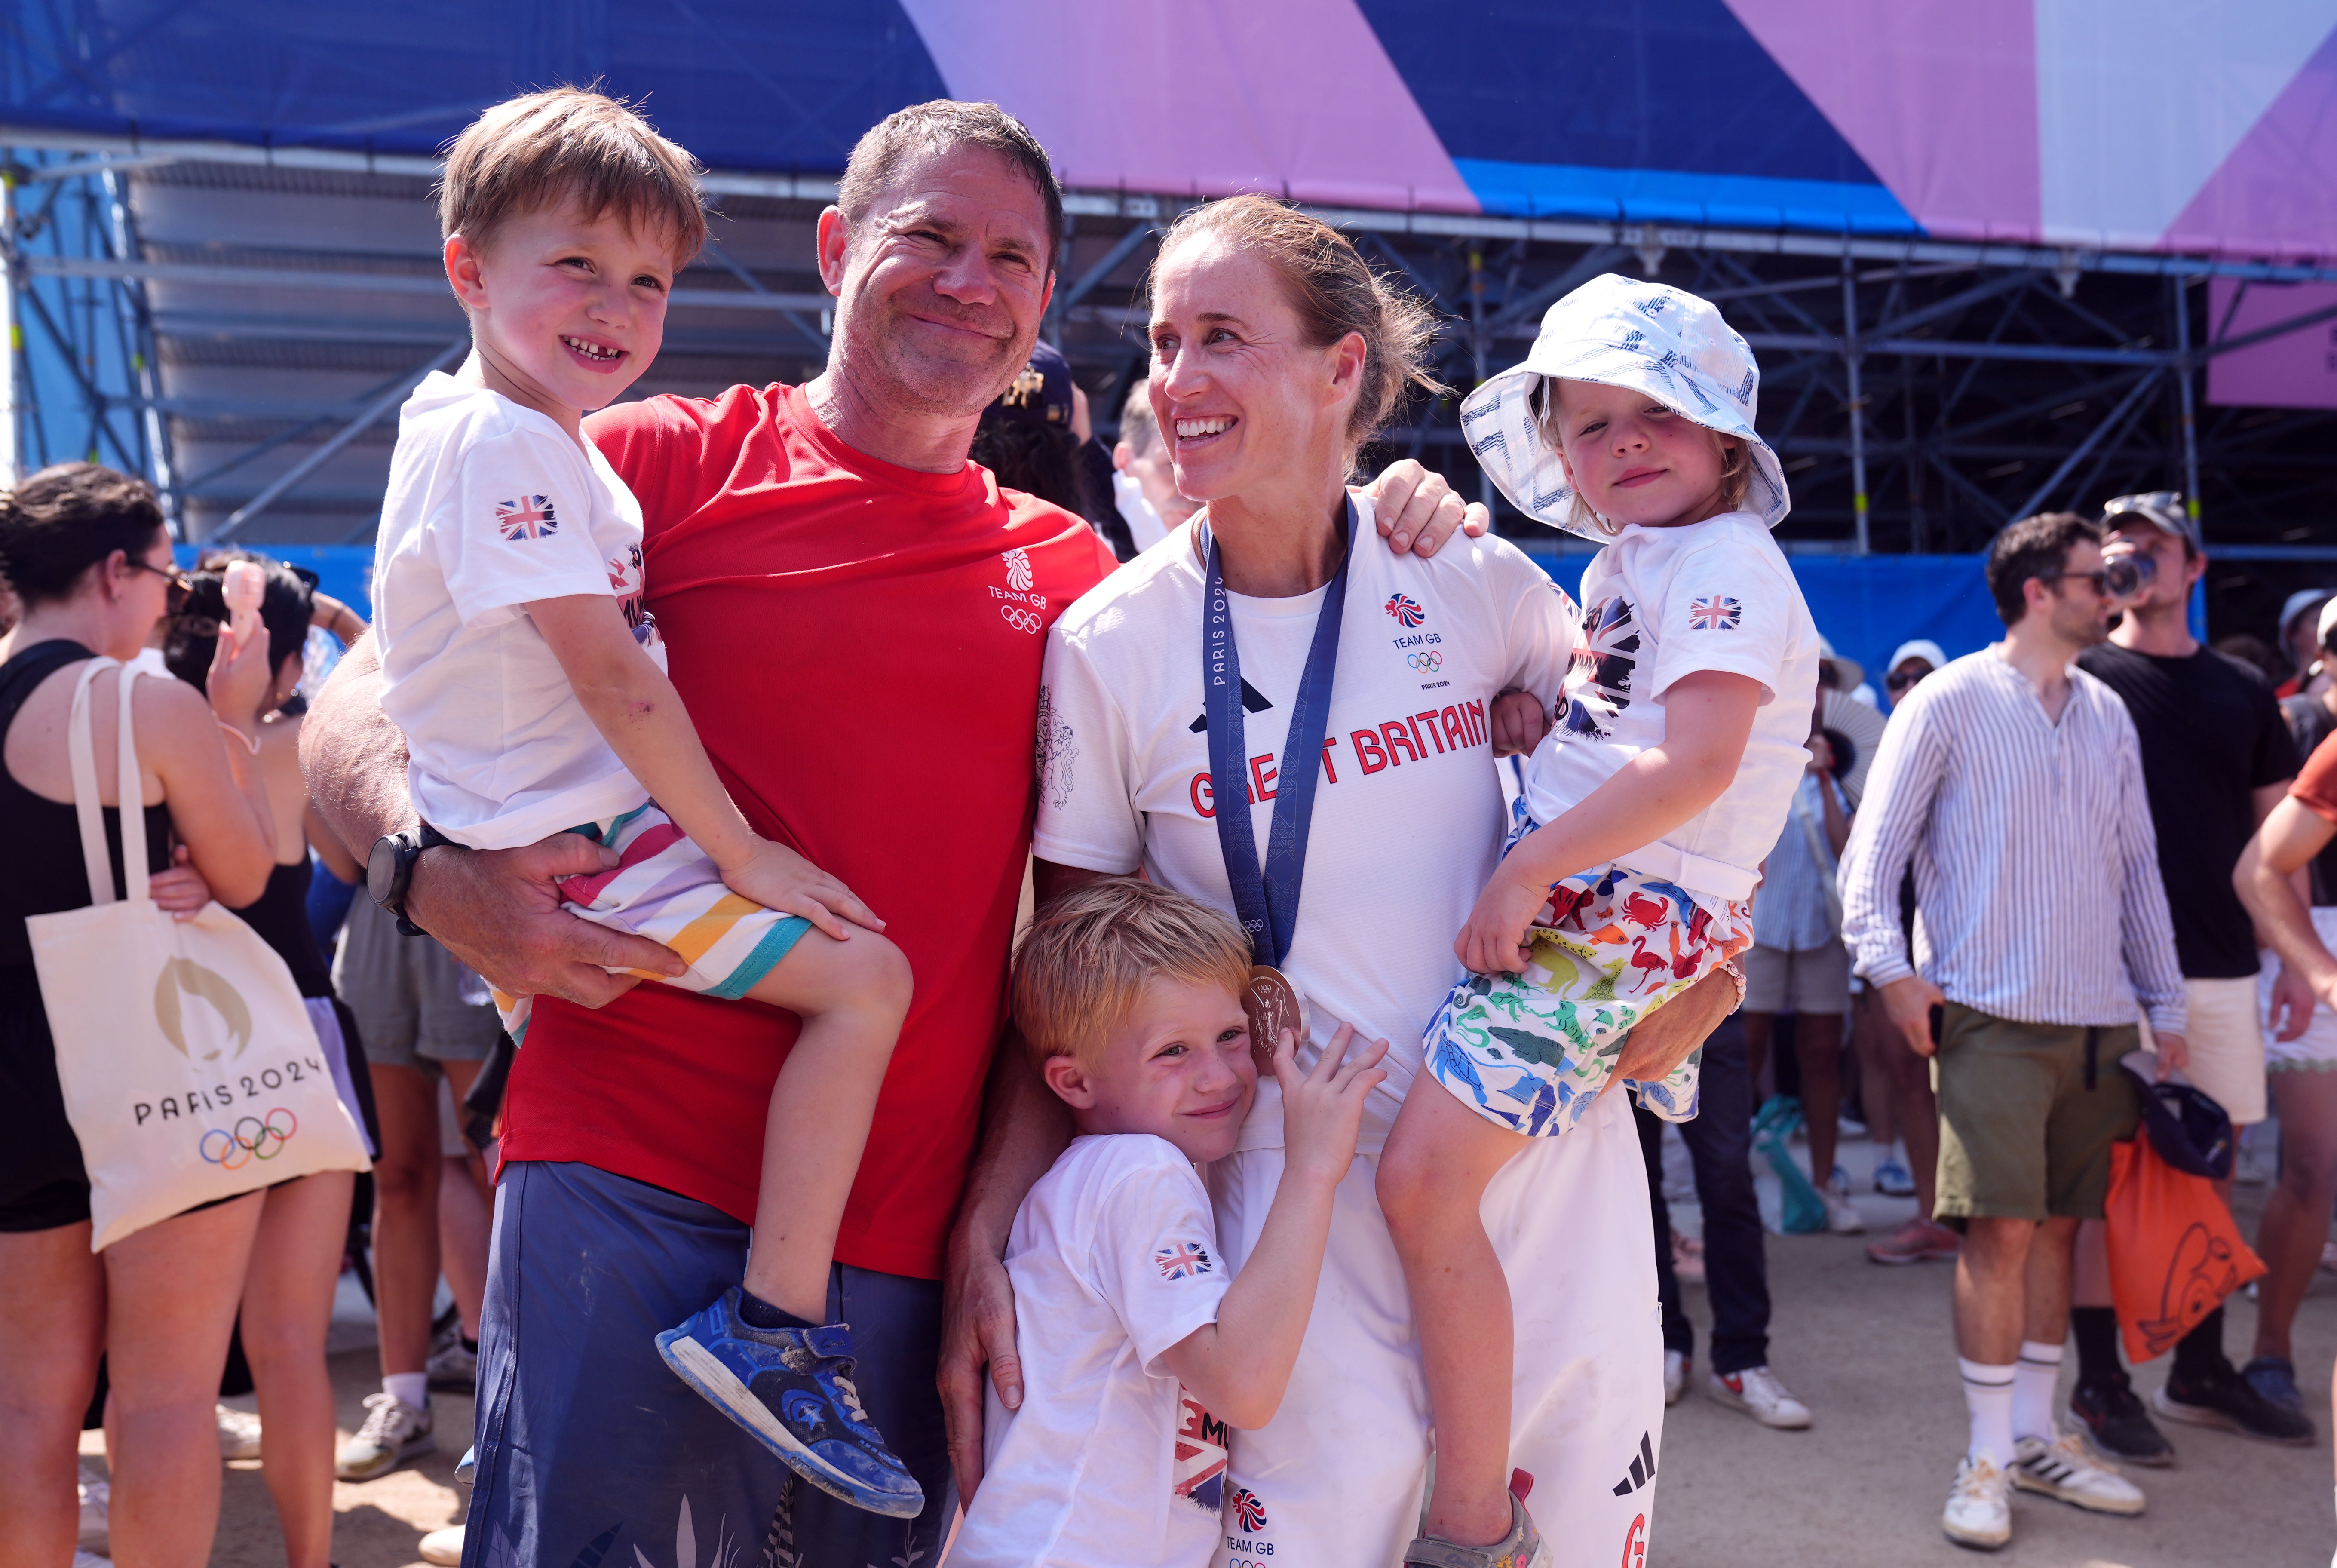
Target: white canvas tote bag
<point x="190" y="1068"/>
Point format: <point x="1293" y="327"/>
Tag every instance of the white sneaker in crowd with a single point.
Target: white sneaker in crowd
<point x="453" y="1365"/>
<point x="1757" y="1392"/>
<point x="442" y="1547"/>
<point x="2066" y="1469"/>
<point x="1841" y="1217"/>
<point x="97" y="1492"/>
<point x="393" y="1432"/>
<point x="1675" y="1377"/>
<point x="85" y="1558"/>
<point x="1979" y="1506"/>
<point x="239" y="1433"/>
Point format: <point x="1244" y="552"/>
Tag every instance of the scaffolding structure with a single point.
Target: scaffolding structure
<point x="1921" y="393"/>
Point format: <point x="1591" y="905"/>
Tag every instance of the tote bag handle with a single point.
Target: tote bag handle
<point x="81" y="757"/>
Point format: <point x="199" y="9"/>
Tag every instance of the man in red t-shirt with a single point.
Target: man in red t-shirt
<point x="2299" y="836"/>
<point x="855" y="614"/>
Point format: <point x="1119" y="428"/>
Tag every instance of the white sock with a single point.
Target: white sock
<point x="2033" y="1377"/>
<point x="1898" y="1151"/>
<point x="413" y="1387"/>
<point x="1987" y="1395"/>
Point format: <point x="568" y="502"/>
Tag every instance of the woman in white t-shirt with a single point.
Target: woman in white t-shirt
<point x="1277" y="353"/>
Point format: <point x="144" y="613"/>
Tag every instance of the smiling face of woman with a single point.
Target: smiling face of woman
<point x="1246" y="404"/>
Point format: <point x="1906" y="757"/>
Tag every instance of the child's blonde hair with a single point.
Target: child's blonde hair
<point x="535" y="151"/>
<point x="1090" y="954"/>
<point x="1736" y="463"/>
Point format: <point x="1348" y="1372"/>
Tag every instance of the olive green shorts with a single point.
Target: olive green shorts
<point x="2022" y="1135"/>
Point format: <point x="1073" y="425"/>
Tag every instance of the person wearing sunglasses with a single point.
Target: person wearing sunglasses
<point x="86" y="549"/>
<point x="2216" y="758"/>
<point x="2013" y="785"/>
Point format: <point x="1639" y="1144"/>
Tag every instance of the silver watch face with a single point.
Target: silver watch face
<point x="381" y="870"/>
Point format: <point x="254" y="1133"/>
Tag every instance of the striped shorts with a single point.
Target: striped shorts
<point x="1530" y="1052"/>
<point x="665" y="889"/>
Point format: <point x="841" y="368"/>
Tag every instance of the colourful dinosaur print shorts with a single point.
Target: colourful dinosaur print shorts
<point x="1531" y="1050"/>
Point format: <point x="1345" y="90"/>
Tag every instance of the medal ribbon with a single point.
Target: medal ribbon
<point x="1266" y="900"/>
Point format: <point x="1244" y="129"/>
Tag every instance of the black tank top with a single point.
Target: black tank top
<point x="280" y="915"/>
<point x="42" y="1182"/>
<point x="45" y="872"/>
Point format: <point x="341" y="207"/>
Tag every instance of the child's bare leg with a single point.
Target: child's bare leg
<point x="851" y="996"/>
<point x="1432" y="1187"/>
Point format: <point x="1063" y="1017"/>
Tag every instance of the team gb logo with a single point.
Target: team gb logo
<point x="1018" y="569"/>
<point x="1406" y="611"/>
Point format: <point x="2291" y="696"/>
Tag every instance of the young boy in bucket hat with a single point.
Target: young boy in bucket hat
<point x="1680" y="738"/>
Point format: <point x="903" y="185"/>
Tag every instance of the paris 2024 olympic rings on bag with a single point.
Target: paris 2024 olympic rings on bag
<point x="254" y="1138"/>
<point x="1426" y="659"/>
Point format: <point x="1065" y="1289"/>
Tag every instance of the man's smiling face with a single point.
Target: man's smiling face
<point x="946" y="277"/>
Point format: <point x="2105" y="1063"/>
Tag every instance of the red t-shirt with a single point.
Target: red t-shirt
<point x="2316" y="781"/>
<point x="860" y="646"/>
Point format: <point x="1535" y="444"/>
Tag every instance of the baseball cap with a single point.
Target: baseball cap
<point x="2162" y="509"/>
<point x="2302" y="602"/>
<point x="2328" y="625"/>
<point x="1042" y="393"/>
<point x="1647" y="337"/>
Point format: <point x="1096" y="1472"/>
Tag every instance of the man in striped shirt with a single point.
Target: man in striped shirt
<point x="2012" y="780"/>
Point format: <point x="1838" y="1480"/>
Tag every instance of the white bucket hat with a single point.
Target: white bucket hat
<point x="1653" y="339"/>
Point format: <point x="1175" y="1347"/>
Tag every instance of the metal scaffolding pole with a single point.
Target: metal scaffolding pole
<point x="2183" y="378"/>
<point x="1850" y="354"/>
<point x="12" y="336"/>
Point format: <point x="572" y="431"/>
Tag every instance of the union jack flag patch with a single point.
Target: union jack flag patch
<point x="1718" y="614"/>
<point x="529" y="518"/>
<point x="1182" y="1262"/>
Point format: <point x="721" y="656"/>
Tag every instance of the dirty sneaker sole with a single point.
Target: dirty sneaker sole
<point x="719" y="1387"/>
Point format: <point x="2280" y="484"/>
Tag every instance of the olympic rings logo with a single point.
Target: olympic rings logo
<point x="1021" y="620"/>
<point x="1426" y="659"/>
<point x="253" y="1139"/>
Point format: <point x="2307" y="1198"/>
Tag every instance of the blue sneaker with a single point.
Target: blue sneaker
<point x="2273" y="1378"/>
<point x="792" y="1389"/>
<point x="1893" y="1180"/>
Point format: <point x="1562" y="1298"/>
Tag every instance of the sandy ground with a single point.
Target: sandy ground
<point x="1867" y="1347"/>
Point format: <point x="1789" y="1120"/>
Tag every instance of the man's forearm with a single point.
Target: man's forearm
<point x="353" y="757"/>
<point x="2282" y="918"/>
<point x="1024" y="1127"/>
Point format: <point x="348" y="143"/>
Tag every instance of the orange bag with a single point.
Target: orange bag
<point x="2175" y="1252"/>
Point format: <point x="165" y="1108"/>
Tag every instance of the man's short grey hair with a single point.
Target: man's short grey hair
<point x="1137" y="425"/>
<point x="878" y="157"/>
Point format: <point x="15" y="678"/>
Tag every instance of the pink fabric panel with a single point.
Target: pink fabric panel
<point x="2295" y="371"/>
<point x="1206" y="96"/>
<point x="1939" y="96"/>
<point x="2276" y="193"/>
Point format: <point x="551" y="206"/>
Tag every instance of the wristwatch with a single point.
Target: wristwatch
<point x="390" y="871"/>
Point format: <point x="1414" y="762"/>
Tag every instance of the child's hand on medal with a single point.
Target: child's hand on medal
<point x="1323" y="1110"/>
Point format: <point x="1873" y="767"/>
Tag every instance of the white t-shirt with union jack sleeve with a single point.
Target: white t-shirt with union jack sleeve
<point x="1660" y="603"/>
<point x="1114" y="1259"/>
<point x="1409" y="813"/>
<point x="490" y="506"/>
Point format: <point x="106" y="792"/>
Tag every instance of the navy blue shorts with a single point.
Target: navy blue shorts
<point x="590" y="1450"/>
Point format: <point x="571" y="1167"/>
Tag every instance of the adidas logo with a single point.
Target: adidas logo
<point x="1643" y="1469"/>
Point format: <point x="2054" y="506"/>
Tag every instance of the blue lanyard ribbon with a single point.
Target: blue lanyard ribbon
<point x="1266" y="900"/>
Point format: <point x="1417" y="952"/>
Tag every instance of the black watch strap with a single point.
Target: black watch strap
<point x="404" y="849"/>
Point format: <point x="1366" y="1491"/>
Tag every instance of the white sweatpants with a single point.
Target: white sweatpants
<point x="1336" y="1480"/>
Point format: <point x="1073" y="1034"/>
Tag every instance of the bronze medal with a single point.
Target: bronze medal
<point x="1271" y="1003"/>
